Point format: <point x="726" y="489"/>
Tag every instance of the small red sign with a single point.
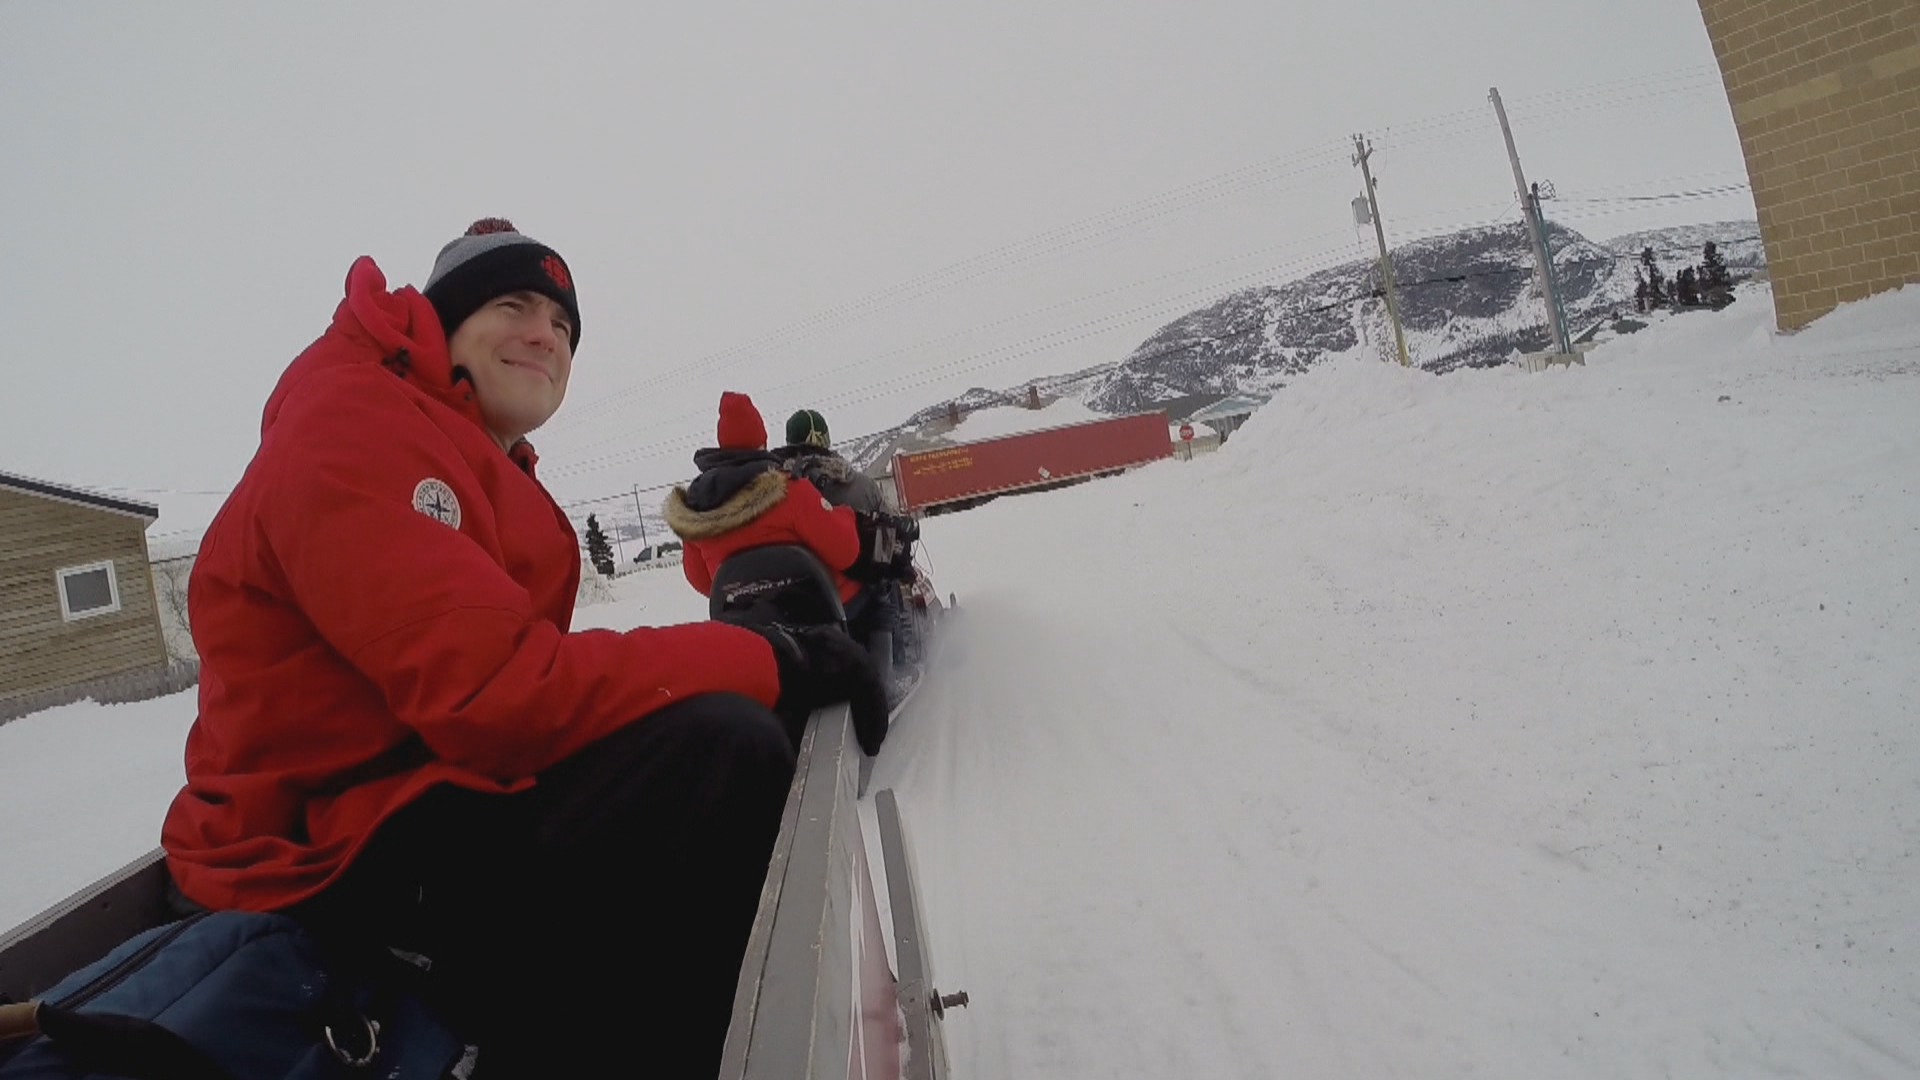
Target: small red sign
<point x="1186" y="432"/>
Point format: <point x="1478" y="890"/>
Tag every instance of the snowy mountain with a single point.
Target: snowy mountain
<point x="1467" y="300"/>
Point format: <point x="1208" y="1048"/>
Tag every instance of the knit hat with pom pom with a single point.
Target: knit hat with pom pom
<point x="494" y="259"/>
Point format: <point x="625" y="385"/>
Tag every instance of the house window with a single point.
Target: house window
<point x="88" y="590"/>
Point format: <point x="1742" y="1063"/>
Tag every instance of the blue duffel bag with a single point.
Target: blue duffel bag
<point x="232" y="995"/>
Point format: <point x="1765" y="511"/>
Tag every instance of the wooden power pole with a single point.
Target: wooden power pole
<point x="1361" y="152"/>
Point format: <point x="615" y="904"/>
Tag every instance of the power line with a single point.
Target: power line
<point x="1725" y="175"/>
<point x="1111" y="222"/>
<point x="1101" y="225"/>
<point x="1530" y="108"/>
<point x="1035" y="345"/>
<point x="1000" y="354"/>
<point x="1212" y="288"/>
<point x="1629" y="83"/>
<point x="1630" y="88"/>
<point x="1091" y="329"/>
<point x="1668" y="95"/>
<point x="1038" y="246"/>
<point x="1701" y="193"/>
<point x="1259" y="327"/>
<point x="1175" y="304"/>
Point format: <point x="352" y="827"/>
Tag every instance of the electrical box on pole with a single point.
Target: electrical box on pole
<point x="1361" y="152"/>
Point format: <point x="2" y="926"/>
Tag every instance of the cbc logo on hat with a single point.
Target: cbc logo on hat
<point x="435" y="499"/>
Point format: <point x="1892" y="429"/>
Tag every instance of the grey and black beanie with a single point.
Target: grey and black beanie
<point x="493" y="259"/>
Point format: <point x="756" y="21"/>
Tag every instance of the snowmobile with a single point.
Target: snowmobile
<point x="816" y="985"/>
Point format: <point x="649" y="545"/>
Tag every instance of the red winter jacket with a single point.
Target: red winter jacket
<point x="741" y="500"/>
<point x="382" y="606"/>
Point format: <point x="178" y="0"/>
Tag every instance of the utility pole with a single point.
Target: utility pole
<point x="1536" y="233"/>
<point x="641" y="515"/>
<point x="1559" y="307"/>
<point x="1361" y="152"/>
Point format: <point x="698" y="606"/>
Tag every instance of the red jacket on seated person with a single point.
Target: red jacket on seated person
<point x="742" y="499"/>
<point x="383" y="606"/>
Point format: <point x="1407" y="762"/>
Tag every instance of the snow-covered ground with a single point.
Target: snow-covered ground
<point x="86" y="786"/>
<point x="1489" y="725"/>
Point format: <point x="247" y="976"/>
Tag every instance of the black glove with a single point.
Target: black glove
<point x="905" y="531"/>
<point x="865" y="569"/>
<point x="822" y="665"/>
<point x="869" y="568"/>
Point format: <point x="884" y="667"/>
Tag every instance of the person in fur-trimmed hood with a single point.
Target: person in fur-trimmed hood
<point x="742" y="499"/>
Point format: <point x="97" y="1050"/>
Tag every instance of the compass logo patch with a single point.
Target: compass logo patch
<point x="435" y="499"/>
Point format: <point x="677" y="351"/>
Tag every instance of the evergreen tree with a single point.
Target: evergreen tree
<point x="599" y="551"/>
<point x="1686" y="291"/>
<point x="1716" y="285"/>
<point x="1655" y="281"/>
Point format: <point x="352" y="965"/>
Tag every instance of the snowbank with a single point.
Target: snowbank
<point x="84" y="787"/>
<point x="1482" y="725"/>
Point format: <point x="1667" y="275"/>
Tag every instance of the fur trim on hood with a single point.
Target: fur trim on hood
<point x="818" y="463"/>
<point x="756" y="497"/>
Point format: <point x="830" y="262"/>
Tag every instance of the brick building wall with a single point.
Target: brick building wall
<point x="1826" y="97"/>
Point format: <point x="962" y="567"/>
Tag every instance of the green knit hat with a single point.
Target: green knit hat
<point x="808" y="428"/>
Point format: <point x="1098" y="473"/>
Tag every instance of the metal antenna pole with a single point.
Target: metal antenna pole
<point x="1536" y="232"/>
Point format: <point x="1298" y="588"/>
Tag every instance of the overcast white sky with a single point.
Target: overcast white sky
<point x="858" y="206"/>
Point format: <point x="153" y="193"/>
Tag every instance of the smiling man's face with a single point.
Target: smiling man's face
<point x="515" y="349"/>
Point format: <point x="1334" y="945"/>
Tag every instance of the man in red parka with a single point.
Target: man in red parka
<point x="400" y="738"/>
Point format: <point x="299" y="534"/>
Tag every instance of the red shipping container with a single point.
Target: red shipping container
<point x="1033" y="459"/>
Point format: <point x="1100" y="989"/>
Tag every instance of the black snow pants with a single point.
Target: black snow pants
<point x="594" y="924"/>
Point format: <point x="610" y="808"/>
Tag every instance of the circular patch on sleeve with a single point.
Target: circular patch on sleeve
<point x="435" y="499"/>
<point x="824" y="504"/>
